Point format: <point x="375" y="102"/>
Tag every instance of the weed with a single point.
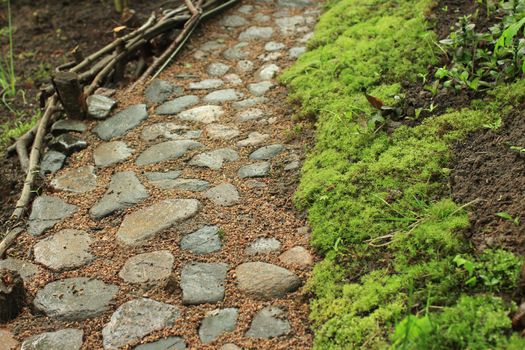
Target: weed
<point x="7" y="67"/>
<point x="508" y="217"/>
<point x="519" y="149"/>
<point x="13" y="130"/>
<point x="120" y="5"/>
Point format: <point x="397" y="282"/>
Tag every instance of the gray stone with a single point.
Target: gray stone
<point x="296" y="3"/>
<point x="263" y="246"/>
<point x="142" y="225"/>
<point x="100" y="106"/>
<point x="203" y="283"/>
<point x="110" y="153"/>
<point x="267" y="152"/>
<point x="245" y="9"/>
<point x="217" y="69"/>
<point x="262" y="18"/>
<point x="254" y="138"/>
<point x="223" y="96"/>
<point x="271" y="56"/>
<point x="77" y="180"/>
<point x="265" y="281"/>
<point x="259" y="89"/>
<point x="251" y="114"/>
<point x="194" y="185"/>
<point x="306" y="37"/>
<point x="293" y="165"/>
<point x="165" y="151"/>
<point x="160" y="90"/>
<point x="203" y="114"/>
<point x="169" y="131"/>
<point x="52" y="162"/>
<point x="46" y="212"/>
<point x="70" y="339"/>
<point x="203" y="241"/>
<point x="255" y="184"/>
<point x="245" y="66"/>
<point x="64" y="250"/>
<point x="295" y="52"/>
<point x="233" y="21"/>
<point x="290" y="24"/>
<point x="274" y="46"/>
<point x="269" y="323"/>
<point x="233" y="79"/>
<point x="67" y="144"/>
<point x="237" y="52"/>
<point x="25" y="269"/>
<point x="222" y="132"/>
<point x="214" y="159"/>
<point x="121" y="122"/>
<point x="124" y="191"/>
<point x="67" y="125"/>
<point x="256" y="33"/>
<point x="213" y="45"/>
<point x="224" y="195"/>
<point x="148" y="268"/>
<point x="170" y="343"/>
<point x="177" y="105"/>
<point x="159" y="176"/>
<point x="206" y="84"/>
<point x="254" y="170"/>
<point x="216" y="323"/>
<point x="230" y="346"/>
<point x="250" y="102"/>
<point x="267" y="72"/>
<point x="136" y="319"/>
<point x="75" y="299"/>
<point x="298" y="256"/>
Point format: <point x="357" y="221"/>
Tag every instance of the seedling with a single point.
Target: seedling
<point x="519" y="149"/>
<point x="506" y="216"/>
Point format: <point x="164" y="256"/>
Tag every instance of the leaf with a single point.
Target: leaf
<point x="374" y="101"/>
<point x="505" y="215"/>
<point x="508" y="35"/>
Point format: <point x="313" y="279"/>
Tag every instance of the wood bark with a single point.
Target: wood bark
<point x="69" y="90"/>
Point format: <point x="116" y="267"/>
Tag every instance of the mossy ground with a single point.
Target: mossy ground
<point x="379" y="202"/>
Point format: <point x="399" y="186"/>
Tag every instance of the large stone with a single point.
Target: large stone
<point x="216" y="323"/>
<point x="67" y="144"/>
<point x="77" y="180"/>
<point x="203" y="114"/>
<point x="267" y="72"/>
<point x="52" y="162"/>
<point x="217" y="69"/>
<point x="144" y="224"/>
<point x="124" y="191"/>
<point x="170" y="131"/>
<point x="267" y="152"/>
<point x="110" y="153"/>
<point x="251" y="114"/>
<point x="70" y="339"/>
<point x="237" y="52"/>
<point x="203" y="241"/>
<point x="214" y="159"/>
<point x="266" y="281"/>
<point x="121" y="122"/>
<point x="254" y="138"/>
<point x="135" y="319"/>
<point x="222" y="132"/>
<point x="203" y="283"/>
<point x="233" y="21"/>
<point x="206" y="84"/>
<point x="260" y="89"/>
<point x="263" y="246"/>
<point x="177" y="105"/>
<point x="256" y="33"/>
<point x="223" y="96"/>
<point x="224" y="195"/>
<point x="165" y="151"/>
<point x="75" y="299"/>
<point x="100" y="106"/>
<point x="64" y="250"/>
<point x="249" y="102"/>
<point x="298" y="256"/>
<point x="25" y="269"/>
<point x="254" y="170"/>
<point x="170" y="343"/>
<point x="160" y="90"/>
<point x="194" y="185"/>
<point x="269" y="323"/>
<point x="67" y="125"/>
<point x="46" y="212"/>
<point x="148" y="268"/>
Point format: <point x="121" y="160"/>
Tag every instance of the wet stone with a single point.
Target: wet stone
<point x="67" y="144"/>
<point x="263" y="246"/>
<point x="251" y="114"/>
<point x="160" y="90"/>
<point x="250" y="102"/>
<point x="203" y="241"/>
<point x="254" y="170"/>
<point x="266" y="281"/>
<point x="70" y="339"/>
<point x="52" y="162"/>
<point x="203" y="114"/>
<point x="142" y="225"/>
<point x="233" y="79"/>
<point x="165" y="151"/>
<point x="267" y="152"/>
<point x="121" y="122"/>
<point x="295" y="52"/>
<point x="170" y="343"/>
<point x="75" y="299"/>
<point x="217" y="69"/>
<point x="25" y="269"/>
<point x="110" y="153"/>
<point x="46" y="212"/>
<point x="124" y="191"/>
<point x="256" y="33"/>
<point x="136" y="319"/>
<point x="233" y="21"/>
<point x="169" y="131"/>
<point x="214" y="159"/>
<point x="254" y="138"/>
<point x="148" y="268"/>
<point x="245" y="66"/>
<point x="216" y="323"/>
<point x="259" y="89"/>
<point x="64" y="250"/>
<point x="267" y="72"/>
<point x="206" y="84"/>
<point x="100" y="106"/>
<point x="237" y="52"/>
<point x="274" y="46"/>
<point x="77" y="180"/>
<point x="222" y="132"/>
<point x="223" y="96"/>
<point x="296" y="256"/>
<point x="194" y="185"/>
<point x="67" y="125"/>
<point x="177" y="105"/>
<point x="203" y="283"/>
<point x="224" y="195"/>
<point x="269" y="323"/>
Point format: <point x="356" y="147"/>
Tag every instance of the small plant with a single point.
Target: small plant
<point x="7" y="67"/>
<point x="493" y="126"/>
<point x="120" y="5"/>
<point x="519" y="149"/>
<point x="506" y="216"/>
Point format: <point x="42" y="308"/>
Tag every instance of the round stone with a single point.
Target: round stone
<point x="295" y="52"/>
<point x="214" y="159"/>
<point x="296" y="256"/>
<point x="269" y="323"/>
<point x="206" y="84"/>
<point x="274" y="46"/>
<point x="244" y="66"/>
<point x="160" y="90"/>
<point x="177" y="105"/>
<point x="222" y="132"/>
<point x="225" y="95"/>
<point x="46" y="212"/>
<point x="203" y="283"/>
<point x="25" y="269"/>
<point x="251" y="114"/>
<point x="254" y="138"/>
<point x="224" y="195"/>
<point x="217" y="69"/>
<point x="233" y="21"/>
<point x="254" y="170"/>
<point x="238" y="52"/>
<point x="165" y="151"/>
<point x="148" y="268"/>
<point x="203" y="114"/>
<point x="266" y="281"/>
<point x="256" y="33"/>
<point x="110" y="153"/>
<point x="216" y="323"/>
<point x="70" y="339"/>
<point x="77" y="180"/>
<point x="267" y="72"/>
<point x="267" y="152"/>
<point x="260" y="89"/>
<point x="263" y="246"/>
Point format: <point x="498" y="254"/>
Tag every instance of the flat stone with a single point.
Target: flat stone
<point x="121" y="122"/>
<point x="203" y="283"/>
<point x="136" y="319"/>
<point x="170" y="131"/>
<point x="170" y="343"/>
<point x="177" y="105"/>
<point x="274" y="46"/>
<point x="160" y="90"/>
<point x="254" y="138"/>
<point x="254" y="170"/>
<point x="256" y="33"/>
<point x="245" y="9"/>
<point x="25" y="269"/>
<point x="233" y="79"/>
<point x="230" y="346"/>
<point x="267" y="72"/>
<point x="245" y="66"/>
<point x="296" y="256"/>
<point x="293" y="165"/>
<point x="165" y="151"/>
<point x="295" y="52"/>
<point x="251" y="114"/>
<point x="64" y="250"/>
<point x="159" y="176"/>
<point x="222" y="132"/>
<point x="77" y="180"/>
<point x="100" y="106"/>
<point x="216" y="323"/>
<point x="206" y="84"/>
<point x="262" y="18"/>
<point x="269" y="323"/>
<point x="270" y="56"/>
<point x="194" y="185"/>
<point x="212" y="45"/>
<point x="148" y="268"/>
<point x="214" y="159"/>
<point x="75" y="299"/>
<point x="263" y="246"/>
<point x="124" y="191"/>
<point x="8" y="340"/>
<point x="289" y="25"/>
<point x="223" y="96"/>
<point x="224" y="195"/>
<point x="67" y="125"/>
<point x="266" y="281"/>
<point x="142" y="225"/>
<point x="203" y="241"/>
<point x="267" y="152"/>
<point x="296" y="3"/>
<point x="203" y="114"/>
<point x="233" y="21"/>
<point x="48" y="211"/>
<point x="250" y="102"/>
<point x="260" y="89"/>
<point x="306" y="37"/>
<point x="70" y="339"/>
<point x="67" y="144"/>
<point x="255" y="184"/>
<point x="217" y="69"/>
<point x="52" y="162"/>
<point x="237" y="52"/>
<point x="110" y="153"/>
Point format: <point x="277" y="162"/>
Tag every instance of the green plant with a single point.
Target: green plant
<point x="519" y="149"/>
<point x="13" y="130"/>
<point x="506" y="216"/>
<point x="120" y="5"/>
<point x="7" y="67"/>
